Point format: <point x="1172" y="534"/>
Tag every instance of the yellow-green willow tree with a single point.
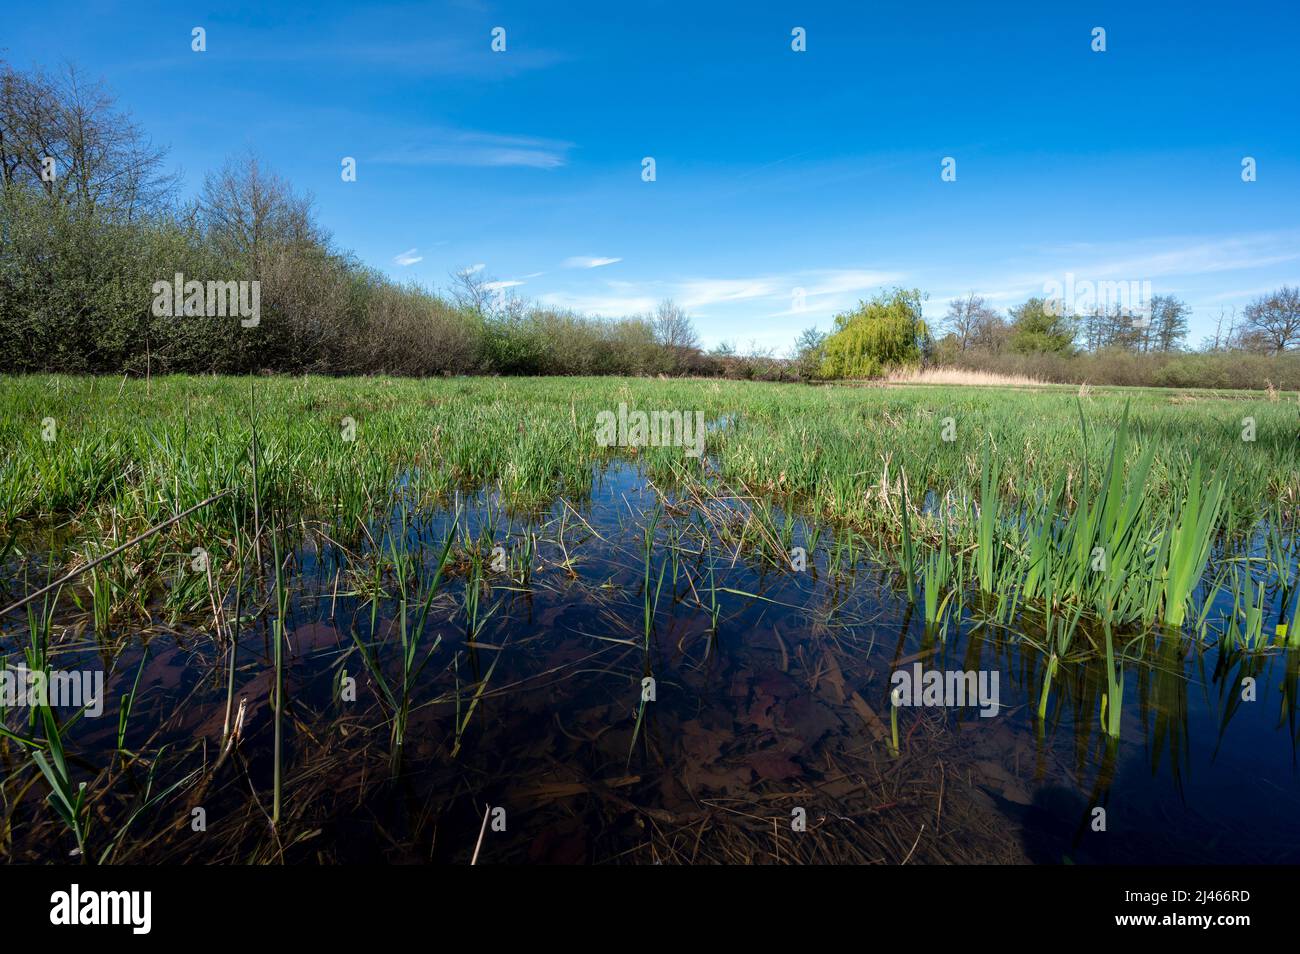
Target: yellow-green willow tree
<point x="883" y="333"/>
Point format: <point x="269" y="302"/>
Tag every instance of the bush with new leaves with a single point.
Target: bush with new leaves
<point x="884" y="333"/>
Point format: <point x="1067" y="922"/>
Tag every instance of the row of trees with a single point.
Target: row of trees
<point x="1269" y="325"/>
<point x="90" y="221"/>
<point x="1040" y="338"/>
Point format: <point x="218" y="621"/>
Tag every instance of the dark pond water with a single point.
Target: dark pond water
<point x="768" y="737"/>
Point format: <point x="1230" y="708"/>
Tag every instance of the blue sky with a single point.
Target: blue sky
<point x="775" y="170"/>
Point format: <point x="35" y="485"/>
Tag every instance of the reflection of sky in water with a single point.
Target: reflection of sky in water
<point x="1186" y="783"/>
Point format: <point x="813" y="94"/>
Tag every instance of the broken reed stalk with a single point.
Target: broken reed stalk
<point x="487" y="810"/>
<point x="234" y="635"/>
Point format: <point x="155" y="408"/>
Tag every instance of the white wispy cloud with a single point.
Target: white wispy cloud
<point x="810" y="294"/>
<point x="607" y="305"/>
<point x="460" y="147"/>
<point x="1173" y="264"/>
<point x="1168" y="261"/>
<point x="510" y="283"/>
<point x="589" y="261"/>
<point x="821" y="293"/>
<point x="1240" y="293"/>
<point x="700" y="293"/>
<point x="374" y="38"/>
<point x="408" y="257"/>
<point x="1227" y="254"/>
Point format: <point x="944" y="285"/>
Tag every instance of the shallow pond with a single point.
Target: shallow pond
<point x="713" y="703"/>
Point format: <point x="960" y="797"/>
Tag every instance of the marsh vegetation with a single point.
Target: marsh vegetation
<point x="392" y="606"/>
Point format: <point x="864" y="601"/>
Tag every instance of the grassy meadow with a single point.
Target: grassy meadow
<point x="1017" y="487"/>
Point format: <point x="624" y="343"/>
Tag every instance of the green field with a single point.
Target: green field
<point x="125" y="448"/>
<point x="1002" y="475"/>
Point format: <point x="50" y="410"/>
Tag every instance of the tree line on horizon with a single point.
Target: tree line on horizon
<point x="1044" y="339"/>
<point x="91" y="220"/>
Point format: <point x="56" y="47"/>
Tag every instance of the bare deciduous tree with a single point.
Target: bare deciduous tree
<point x="967" y="318"/>
<point x="673" y="328"/>
<point x="1272" y="322"/>
<point x="675" y="333"/>
<point x="990" y="332"/>
<point x="66" y="136"/>
<point x="471" y="290"/>
<point x="809" y="349"/>
<point x="249" y="213"/>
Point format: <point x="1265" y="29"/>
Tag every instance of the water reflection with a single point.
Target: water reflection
<point x="637" y="677"/>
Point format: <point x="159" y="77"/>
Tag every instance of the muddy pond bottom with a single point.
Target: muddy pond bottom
<point x="628" y="677"/>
